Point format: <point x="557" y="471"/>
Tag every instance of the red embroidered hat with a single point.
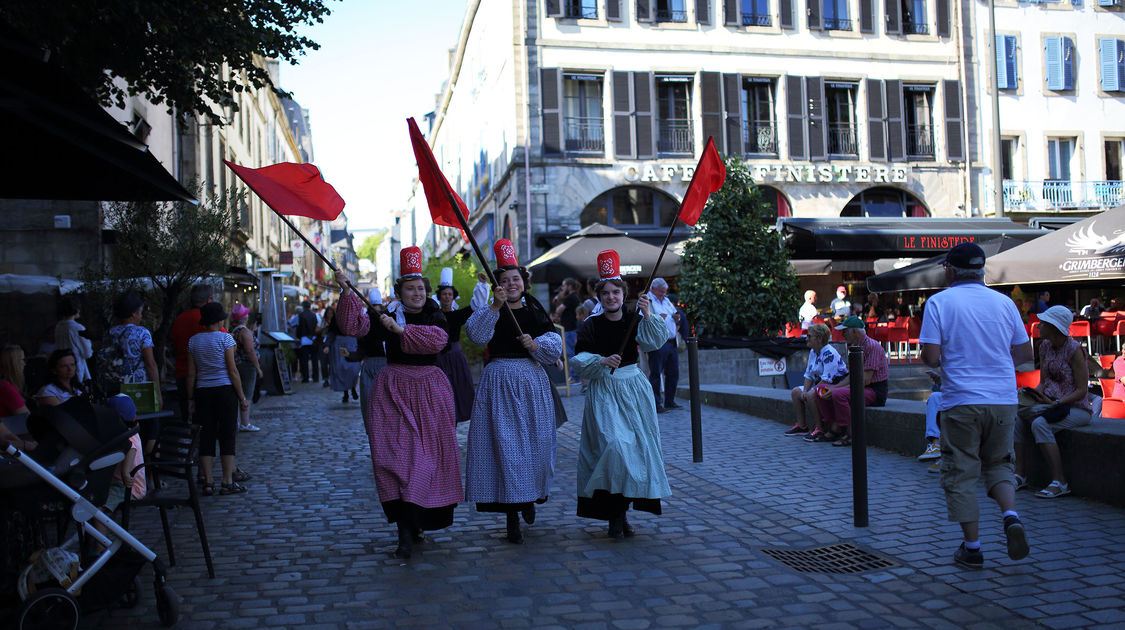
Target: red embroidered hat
<point x="410" y="262"/>
<point x="505" y="254"/>
<point x="609" y="265"/>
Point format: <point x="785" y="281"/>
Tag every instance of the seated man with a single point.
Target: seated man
<point x="835" y="404"/>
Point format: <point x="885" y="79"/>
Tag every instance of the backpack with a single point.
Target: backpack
<point x="111" y="365"/>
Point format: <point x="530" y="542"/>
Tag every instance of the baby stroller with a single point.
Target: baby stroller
<point x="79" y="445"/>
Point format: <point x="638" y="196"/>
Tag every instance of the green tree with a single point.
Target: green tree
<point x="370" y="245"/>
<point x="465" y="269"/>
<point x="735" y="278"/>
<point x="170" y="52"/>
<point x="161" y="250"/>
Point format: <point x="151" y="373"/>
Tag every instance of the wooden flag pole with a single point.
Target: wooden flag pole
<point x="648" y="285"/>
<point x="480" y="256"/>
<point x="335" y="270"/>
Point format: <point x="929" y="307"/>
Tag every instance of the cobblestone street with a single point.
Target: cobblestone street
<point x="308" y="546"/>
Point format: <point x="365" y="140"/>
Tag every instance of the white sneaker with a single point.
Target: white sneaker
<point x="248" y="428"/>
<point x="933" y="451"/>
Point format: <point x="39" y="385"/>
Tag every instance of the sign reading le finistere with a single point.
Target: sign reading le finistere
<point x="796" y="173"/>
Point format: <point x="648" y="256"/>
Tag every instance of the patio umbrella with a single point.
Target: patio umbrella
<point x="576" y="257"/>
<point x="929" y="274"/>
<point x="1091" y="251"/>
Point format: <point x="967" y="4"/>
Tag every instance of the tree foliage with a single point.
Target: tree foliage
<point x="162" y="249"/>
<point x="735" y="278"/>
<point x="169" y="52"/>
<point x="370" y="245"/>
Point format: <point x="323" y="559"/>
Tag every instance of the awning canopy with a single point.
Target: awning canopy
<point x="577" y="256"/>
<point x="929" y="274"/>
<point x="868" y="238"/>
<point x="1089" y="251"/>
<point x="60" y="144"/>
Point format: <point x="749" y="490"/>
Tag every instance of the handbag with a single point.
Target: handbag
<point x="1030" y="409"/>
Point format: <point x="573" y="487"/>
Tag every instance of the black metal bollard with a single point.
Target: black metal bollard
<point x="859" y="437"/>
<point x="693" y="382"/>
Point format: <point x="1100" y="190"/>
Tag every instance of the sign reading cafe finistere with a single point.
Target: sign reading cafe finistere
<point x="796" y="173"/>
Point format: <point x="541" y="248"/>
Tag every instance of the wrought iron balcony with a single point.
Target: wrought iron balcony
<point x="759" y="138"/>
<point x="837" y="24"/>
<point x="584" y="134"/>
<point x="842" y="139"/>
<point x="671" y="15"/>
<point x="1054" y="195"/>
<point x="675" y="136"/>
<point x="754" y="19"/>
<point x="915" y="28"/>
<point x="920" y="141"/>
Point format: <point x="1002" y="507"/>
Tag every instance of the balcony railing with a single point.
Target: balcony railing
<point x="675" y="136"/>
<point x="584" y="134"/>
<point x="842" y="139"/>
<point x="754" y="19"/>
<point x="920" y="141"/>
<point x="837" y="24"/>
<point x="1058" y="195"/>
<point x="671" y="15"/>
<point x="760" y="138"/>
<point x="915" y="28"/>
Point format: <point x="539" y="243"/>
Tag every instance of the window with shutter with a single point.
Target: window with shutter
<point x="644" y="10"/>
<point x="613" y="10"/>
<point x="757" y="109"/>
<point x="842" y="132"/>
<point x="554" y="8"/>
<point x="1111" y="54"/>
<point x="796" y="113"/>
<point x="702" y="11"/>
<point x="583" y="121"/>
<point x="876" y="123"/>
<point x="732" y="103"/>
<point x="1007" y="77"/>
<point x="1068" y="63"/>
<point x="732" y="12"/>
<point x="623" y="115"/>
<point x="896" y="132"/>
<point x="643" y="116"/>
<point x="550" y="88"/>
<point x="892" y="22"/>
<point x="866" y="16"/>
<point x="814" y="10"/>
<point x="954" y="122"/>
<point x="1059" y="63"/>
<point x="674" y="128"/>
<point x="711" y="95"/>
<point x="785" y="14"/>
<point x="944" y="23"/>
<point x="914" y="17"/>
<point x="817" y="129"/>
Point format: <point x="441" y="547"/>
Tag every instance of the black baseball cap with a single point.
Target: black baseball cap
<point x="966" y="256"/>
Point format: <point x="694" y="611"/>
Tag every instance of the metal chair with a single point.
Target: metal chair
<point x="172" y="458"/>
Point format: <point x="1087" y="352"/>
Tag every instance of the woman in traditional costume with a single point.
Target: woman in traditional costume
<point x="619" y="458"/>
<point x="511" y="450"/>
<point x="410" y="417"/>
<point x="452" y="359"/>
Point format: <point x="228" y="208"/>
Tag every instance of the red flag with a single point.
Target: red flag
<point x="292" y="188"/>
<point x="709" y="176"/>
<point x="437" y="188"/>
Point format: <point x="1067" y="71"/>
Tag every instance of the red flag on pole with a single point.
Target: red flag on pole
<point x="292" y="188"/>
<point x="437" y="188"/>
<point x="709" y="176"/>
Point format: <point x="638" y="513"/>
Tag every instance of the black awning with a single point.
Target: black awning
<point x="60" y="144"/>
<point x="870" y="238"/>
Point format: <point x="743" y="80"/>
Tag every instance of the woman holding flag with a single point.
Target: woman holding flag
<point x="411" y="416"/>
<point x="511" y="449"/>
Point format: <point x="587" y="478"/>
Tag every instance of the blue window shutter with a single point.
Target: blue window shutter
<point x="1010" y="59"/>
<point x="1107" y="53"/>
<point x="1068" y="63"/>
<point x="1001" y="62"/>
<point x="1120" y="65"/>
<point x="1107" y="3"/>
<point x="1053" y="60"/>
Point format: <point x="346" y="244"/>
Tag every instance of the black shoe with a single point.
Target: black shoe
<point x="345" y="399"/>
<point x="673" y="405"/>
<point x="515" y="536"/>
<point x="969" y="558"/>
<point x="529" y="514"/>
<point x="616" y="529"/>
<point x="1017" y="538"/>
<point x="405" y="542"/>
<point x="660" y="409"/>
<point x="355" y="396"/>
<point x="418" y="536"/>
<point x="325" y="384"/>
<point x="626" y="528"/>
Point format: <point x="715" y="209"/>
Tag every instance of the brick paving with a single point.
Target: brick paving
<point x="308" y="546"/>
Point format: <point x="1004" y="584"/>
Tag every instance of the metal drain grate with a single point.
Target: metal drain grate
<point x="845" y="558"/>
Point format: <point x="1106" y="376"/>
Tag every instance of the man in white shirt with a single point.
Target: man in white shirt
<point x="808" y="310"/>
<point x="666" y="360"/>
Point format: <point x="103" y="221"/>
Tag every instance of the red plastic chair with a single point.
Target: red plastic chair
<point x="1027" y="379"/>
<point x="1106" y="361"/>
<point x="837" y="335"/>
<point x="1118" y="331"/>
<point x="1081" y="328"/>
<point x="1107" y="386"/>
<point x="1113" y="408"/>
<point x="1032" y="318"/>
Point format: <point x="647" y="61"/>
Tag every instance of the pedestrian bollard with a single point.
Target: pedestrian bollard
<point x="859" y="437"/>
<point x="693" y="383"/>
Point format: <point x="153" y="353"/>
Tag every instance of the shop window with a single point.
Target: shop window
<point x="583" y="118"/>
<point x="759" y="131"/>
<point x="840" y="98"/>
<point x="919" y="101"/>
<point x="631" y="206"/>
<point x="884" y="202"/>
<point x="674" y="127"/>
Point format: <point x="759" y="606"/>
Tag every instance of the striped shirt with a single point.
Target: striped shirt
<point x="209" y="351"/>
<point x="875" y="359"/>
